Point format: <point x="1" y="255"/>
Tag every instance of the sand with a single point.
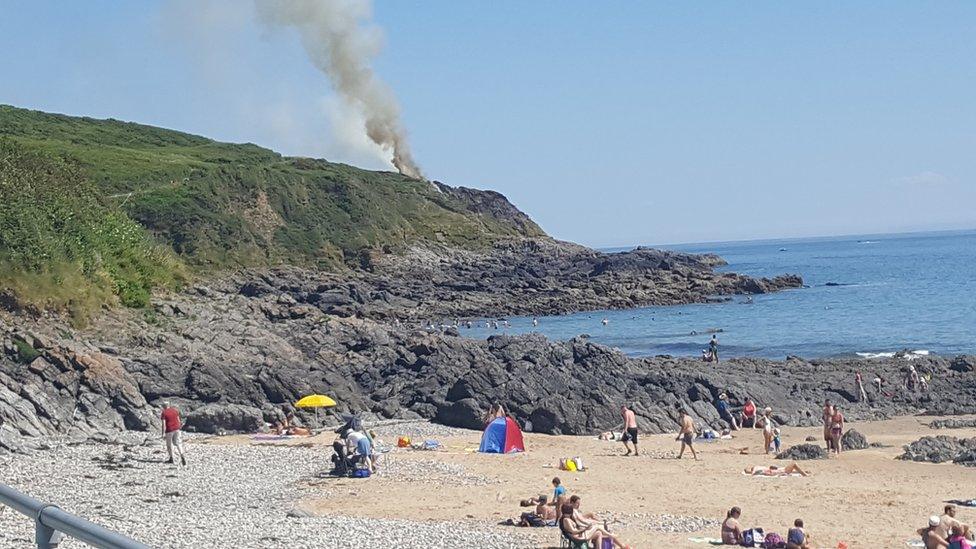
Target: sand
<point x="864" y="498"/>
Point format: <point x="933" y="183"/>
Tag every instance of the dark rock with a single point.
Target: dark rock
<point x="803" y="451"/>
<point x="939" y="449"/>
<point x="853" y="440"/>
<point x="811" y="438"/>
<point x="953" y="423"/>
<point x="964" y="364"/>
<point x="224" y="418"/>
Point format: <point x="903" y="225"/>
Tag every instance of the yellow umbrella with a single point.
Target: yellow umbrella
<point x="315" y="401"/>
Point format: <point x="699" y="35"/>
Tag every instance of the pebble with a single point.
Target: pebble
<point x="229" y="496"/>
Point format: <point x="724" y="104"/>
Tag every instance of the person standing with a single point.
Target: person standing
<point x="828" y="412"/>
<point x="836" y="429"/>
<point x="687" y="435"/>
<point x="713" y="348"/>
<point x="630" y="429"/>
<point x="171" y="432"/>
<point x="862" y="395"/>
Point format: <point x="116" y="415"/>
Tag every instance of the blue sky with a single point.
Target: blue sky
<point x="609" y="123"/>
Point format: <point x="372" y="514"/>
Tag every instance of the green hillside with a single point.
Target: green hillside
<point x="208" y="205"/>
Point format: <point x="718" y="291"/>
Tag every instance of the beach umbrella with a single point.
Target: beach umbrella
<point x="316" y="402"/>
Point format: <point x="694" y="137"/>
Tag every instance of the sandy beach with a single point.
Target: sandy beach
<point x="864" y="498"/>
<point x="242" y="491"/>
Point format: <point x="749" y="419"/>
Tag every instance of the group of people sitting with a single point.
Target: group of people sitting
<point x="734" y="534"/>
<point x="563" y="510"/>
<point x="354" y="449"/>
<point x="946" y="532"/>
<point x="749" y="417"/>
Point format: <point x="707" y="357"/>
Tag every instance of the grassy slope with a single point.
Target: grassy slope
<point x="219" y="205"/>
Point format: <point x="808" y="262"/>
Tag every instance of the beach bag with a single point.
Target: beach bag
<point x="579" y="463"/>
<point x="568" y="465"/>
<point x="607" y="544"/>
<point x="753" y="537"/>
<point x="773" y="541"/>
<point x="403" y="442"/>
<point x="360" y="473"/>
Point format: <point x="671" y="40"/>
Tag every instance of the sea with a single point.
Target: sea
<point x="866" y="296"/>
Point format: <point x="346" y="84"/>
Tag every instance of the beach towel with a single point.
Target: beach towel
<point x="269" y="436"/>
<point x="963" y="502"/>
<point x="709" y="541"/>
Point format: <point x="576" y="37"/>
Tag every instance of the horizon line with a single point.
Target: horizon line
<point x="791" y="238"/>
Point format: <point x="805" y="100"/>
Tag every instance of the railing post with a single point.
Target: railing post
<point x="45" y="536"/>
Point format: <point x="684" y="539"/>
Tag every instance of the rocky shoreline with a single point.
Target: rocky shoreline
<point x="527" y="276"/>
<point x="233" y="358"/>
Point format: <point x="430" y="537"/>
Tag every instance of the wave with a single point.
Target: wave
<point x="907" y="355"/>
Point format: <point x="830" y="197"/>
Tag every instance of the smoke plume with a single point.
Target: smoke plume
<point x="340" y="42"/>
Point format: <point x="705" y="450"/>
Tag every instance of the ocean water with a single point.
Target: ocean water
<point x="864" y="295"/>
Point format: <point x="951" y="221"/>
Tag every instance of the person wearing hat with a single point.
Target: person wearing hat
<point x="930" y="535"/>
<point x="722" y="405"/>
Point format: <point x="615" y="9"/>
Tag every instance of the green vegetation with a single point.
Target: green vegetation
<point x="25" y="352"/>
<point x="98" y="208"/>
<point x="62" y="246"/>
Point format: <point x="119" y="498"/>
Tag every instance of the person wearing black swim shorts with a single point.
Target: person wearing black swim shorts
<point x="630" y="429"/>
<point x="687" y="435"/>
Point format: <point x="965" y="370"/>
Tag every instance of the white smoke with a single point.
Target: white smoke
<point x="340" y="42"/>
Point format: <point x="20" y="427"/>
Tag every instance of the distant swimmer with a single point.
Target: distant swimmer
<point x="605" y="321"/>
<point x="535" y="321"/>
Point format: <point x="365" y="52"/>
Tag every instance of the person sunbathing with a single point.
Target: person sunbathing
<point x="590" y="534"/>
<point x="544" y="515"/>
<point x="585" y="519"/>
<point x="775" y="470"/>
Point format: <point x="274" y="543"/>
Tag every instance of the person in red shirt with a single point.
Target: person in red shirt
<point x="171" y="432"/>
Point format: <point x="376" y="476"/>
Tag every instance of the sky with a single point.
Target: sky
<point x="610" y="123"/>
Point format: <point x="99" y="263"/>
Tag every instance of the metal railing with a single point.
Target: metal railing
<point x="51" y="524"/>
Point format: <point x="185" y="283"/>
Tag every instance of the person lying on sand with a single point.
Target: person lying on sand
<point x="590" y="534"/>
<point x="731" y="529"/>
<point x="930" y="535"/>
<point x="775" y="470"/>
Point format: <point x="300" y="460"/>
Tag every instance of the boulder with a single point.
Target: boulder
<point x="853" y="440"/>
<point x="963" y="364"/>
<point x="224" y="418"/>
<point x="803" y="452"/>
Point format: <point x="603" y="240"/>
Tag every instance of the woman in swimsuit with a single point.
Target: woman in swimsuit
<point x="593" y="533"/>
<point x="749" y="414"/>
<point x="836" y="429"/>
<point x="731" y="530"/>
<point x="768" y="426"/>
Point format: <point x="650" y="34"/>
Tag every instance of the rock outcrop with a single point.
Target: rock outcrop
<point x="803" y="452"/>
<point x="953" y="423"/>
<point x="941" y="449"/>
<point x="225" y="355"/>
<point x="853" y="440"/>
<point x="516" y="277"/>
